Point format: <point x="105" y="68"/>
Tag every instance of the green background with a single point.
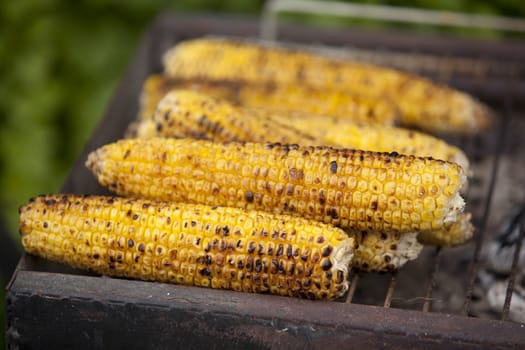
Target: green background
<point x="60" y="62"/>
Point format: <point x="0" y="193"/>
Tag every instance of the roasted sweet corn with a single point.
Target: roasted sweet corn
<point x="384" y="251"/>
<point x="199" y="245"/>
<point x="356" y="189"/>
<point x="423" y="104"/>
<point x="185" y="113"/>
<point x="453" y="234"/>
<point x="280" y="97"/>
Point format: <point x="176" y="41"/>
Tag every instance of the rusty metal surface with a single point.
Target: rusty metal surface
<point x="69" y="311"/>
<point x="53" y="306"/>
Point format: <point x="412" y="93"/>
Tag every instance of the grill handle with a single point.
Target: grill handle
<point x="268" y="28"/>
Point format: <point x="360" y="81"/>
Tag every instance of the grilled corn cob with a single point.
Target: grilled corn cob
<point x="384" y="251"/>
<point x="356" y="189"/>
<point x="197" y="245"/>
<point x="280" y="97"/>
<point x="424" y="104"/>
<point x="454" y="234"/>
<point x="184" y="113"/>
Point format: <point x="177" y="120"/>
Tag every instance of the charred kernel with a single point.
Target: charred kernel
<point x="383" y="236"/>
<point x="249" y="196"/>
<point x="388" y="258"/>
<point x="289" y="251"/>
<point x="320" y="239"/>
<point x="373" y="205"/>
<point x="307" y="283"/>
<point x="258" y="265"/>
<point x="249" y="263"/>
<point x="322" y="198"/>
<point x="225" y="231"/>
<point x="205" y="271"/>
<point x="326" y="264"/>
<point x="50" y="202"/>
<point x="251" y="247"/>
<point x="240" y="264"/>
<point x="130" y="243"/>
<point x="275" y="266"/>
<point x="197" y="241"/>
<point x="45" y="224"/>
<point x="279" y="251"/>
<point x="333" y="167"/>
<point x="333" y="213"/>
<point x="393" y="247"/>
<point x="327" y="251"/>
<point x="193" y="223"/>
<point x="96" y="256"/>
<point x="141" y="247"/>
<point x="135" y="216"/>
<point x="282" y="270"/>
<point x="260" y="249"/>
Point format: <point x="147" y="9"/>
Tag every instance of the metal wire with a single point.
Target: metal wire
<point x="390" y="290"/>
<point x="383" y="13"/>
<point x="513" y="274"/>
<point x="432" y="280"/>
<point x="351" y="290"/>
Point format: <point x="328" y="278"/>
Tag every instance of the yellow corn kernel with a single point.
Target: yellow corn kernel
<point x="384" y="251"/>
<point x="453" y="234"/>
<point x="423" y="103"/>
<point x="189" y="244"/>
<point x="307" y="181"/>
<point x="282" y="97"/>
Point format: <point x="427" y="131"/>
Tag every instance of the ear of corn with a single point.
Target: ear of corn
<point x="281" y="97"/>
<point x="453" y="234"/>
<point x="383" y="251"/>
<point x="198" y="245"/>
<point x="356" y="189"/>
<point x="424" y="104"/>
<point x="185" y="113"/>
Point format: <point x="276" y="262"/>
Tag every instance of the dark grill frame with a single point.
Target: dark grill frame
<point x="50" y="306"/>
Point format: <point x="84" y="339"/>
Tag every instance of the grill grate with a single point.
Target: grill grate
<point x="403" y="309"/>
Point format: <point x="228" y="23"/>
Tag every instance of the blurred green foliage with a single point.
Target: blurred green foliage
<point x="60" y="62"/>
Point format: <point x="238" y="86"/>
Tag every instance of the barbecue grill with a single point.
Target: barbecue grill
<point x="436" y="301"/>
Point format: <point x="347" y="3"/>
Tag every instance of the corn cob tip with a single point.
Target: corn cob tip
<point x="384" y="251"/>
<point x="454" y="234"/>
<point x="408" y="247"/>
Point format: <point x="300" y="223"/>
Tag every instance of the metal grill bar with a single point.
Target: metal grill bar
<point x="351" y="289"/>
<point x="385" y="13"/>
<point x="432" y="280"/>
<point x="390" y="290"/>
<point x="513" y="273"/>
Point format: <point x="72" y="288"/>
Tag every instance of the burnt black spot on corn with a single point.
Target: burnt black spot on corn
<point x="401" y="206"/>
<point x="174" y="257"/>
